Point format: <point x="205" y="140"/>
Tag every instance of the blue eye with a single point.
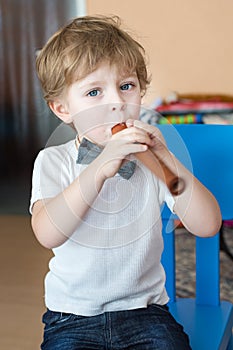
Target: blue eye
<point x="93" y="93"/>
<point x="127" y="86"/>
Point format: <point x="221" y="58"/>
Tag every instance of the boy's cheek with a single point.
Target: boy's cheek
<point x="90" y="121"/>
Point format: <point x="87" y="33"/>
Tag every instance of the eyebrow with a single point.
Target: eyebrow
<point x="129" y="75"/>
<point x="96" y="83"/>
<point x="91" y="84"/>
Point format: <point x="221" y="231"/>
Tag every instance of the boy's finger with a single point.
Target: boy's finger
<point x="144" y="126"/>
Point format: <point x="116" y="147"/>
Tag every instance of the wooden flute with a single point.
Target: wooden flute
<point x="174" y="183"/>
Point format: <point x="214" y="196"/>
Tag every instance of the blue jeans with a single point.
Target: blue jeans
<point x="140" y="329"/>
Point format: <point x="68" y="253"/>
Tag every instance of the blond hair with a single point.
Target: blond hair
<point x="77" y="49"/>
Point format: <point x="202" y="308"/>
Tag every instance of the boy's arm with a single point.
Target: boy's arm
<point x="54" y="220"/>
<point x="196" y="207"/>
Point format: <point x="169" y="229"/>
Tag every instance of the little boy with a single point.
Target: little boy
<point x="97" y="207"/>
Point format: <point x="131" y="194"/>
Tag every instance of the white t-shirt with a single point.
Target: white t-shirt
<point x="112" y="261"/>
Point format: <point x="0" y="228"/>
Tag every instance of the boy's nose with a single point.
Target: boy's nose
<point x="117" y="102"/>
<point x="118" y="106"/>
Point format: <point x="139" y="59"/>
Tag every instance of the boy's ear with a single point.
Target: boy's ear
<point x="61" y="111"/>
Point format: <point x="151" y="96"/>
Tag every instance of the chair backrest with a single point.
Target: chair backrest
<point x="207" y="150"/>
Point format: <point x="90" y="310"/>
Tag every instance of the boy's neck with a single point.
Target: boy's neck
<point x="78" y="140"/>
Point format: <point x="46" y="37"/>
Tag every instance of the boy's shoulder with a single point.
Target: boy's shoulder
<point x="61" y="151"/>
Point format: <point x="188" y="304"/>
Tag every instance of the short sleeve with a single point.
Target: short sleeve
<point x="51" y="173"/>
<point x="165" y="196"/>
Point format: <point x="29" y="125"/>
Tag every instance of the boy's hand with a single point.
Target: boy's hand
<point x="160" y="161"/>
<point x="128" y="141"/>
<point x="159" y="147"/>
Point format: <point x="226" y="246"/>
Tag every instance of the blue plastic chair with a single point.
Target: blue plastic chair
<point x="207" y="150"/>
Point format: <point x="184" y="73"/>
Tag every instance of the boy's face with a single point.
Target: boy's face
<point x="103" y="98"/>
